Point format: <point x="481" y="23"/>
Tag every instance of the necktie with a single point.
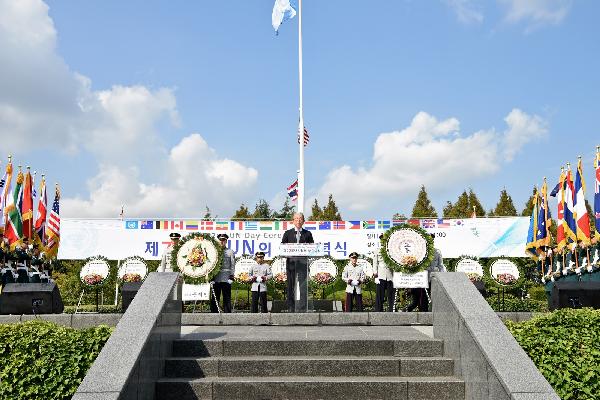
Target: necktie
<point x="297" y="236"/>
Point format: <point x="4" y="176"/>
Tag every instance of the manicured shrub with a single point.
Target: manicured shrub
<point x="42" y="360"/>
<point x="565" y="346"/>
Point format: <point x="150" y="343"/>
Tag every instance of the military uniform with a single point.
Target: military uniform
<point x="354" y="276"/>
<point x="384" y="285"/>
<point x="165" y="261"/>
<point x="419" y="295"/>
<point x="222" y="282"/>
<point x="260" y="273"/>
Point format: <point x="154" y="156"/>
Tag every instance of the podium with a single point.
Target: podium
<point x="297" y="257"/>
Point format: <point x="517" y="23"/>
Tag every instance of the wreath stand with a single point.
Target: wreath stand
<point x="501" y="304"/>
<point x="81" y="297"/>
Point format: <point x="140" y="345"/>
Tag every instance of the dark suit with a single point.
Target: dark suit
<point x="297" y="270"/>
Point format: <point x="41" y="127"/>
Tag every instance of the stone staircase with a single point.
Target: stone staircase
<point x="383" y="362"/>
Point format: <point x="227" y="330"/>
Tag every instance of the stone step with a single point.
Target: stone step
<point x="307" y="366"/>
<point x="402" y="388"/>
<point x="308" y="347"/>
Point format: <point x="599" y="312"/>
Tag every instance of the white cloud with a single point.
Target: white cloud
<point x="45" y="105"/>
<point x="432" y="153"/>
<point x="536" y="12"/>
<point x="195" y="176"/>
<point x="466" y="11"/>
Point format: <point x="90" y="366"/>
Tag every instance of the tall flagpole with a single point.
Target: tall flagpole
<point x="301" y="122"/>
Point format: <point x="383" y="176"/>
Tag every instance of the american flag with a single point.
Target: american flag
<point x="53" y="228"/>
<point x="306" y="137"/>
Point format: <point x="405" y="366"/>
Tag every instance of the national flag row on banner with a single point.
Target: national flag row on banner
<point x="21" y="219"/>
<point x="210" y="225"/>
<point x="573" y="222"/>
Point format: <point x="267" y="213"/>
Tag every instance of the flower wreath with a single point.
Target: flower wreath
<point x="514" y="284"/>
<point x="94" y="280"/>
<point x="218" y="263"/>
<point x="473" y="277"/>
<point x="324" y="280"/>
<point x="244" y="279"/>
<point x="408" y="267"/>
<point x="279" y="281"/>
<point x="134" y="277"/>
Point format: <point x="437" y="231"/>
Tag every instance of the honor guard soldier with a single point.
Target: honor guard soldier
<point x="595" y="252"/>
<point x="23" y="259"/>
<point x="260" y="273"/>
<point x="354" y="276"/>
<point x="223" y="281"/>
<point x="383" y="281"/>
<point x="419" y="295"/>
<point x="165" y="262"/>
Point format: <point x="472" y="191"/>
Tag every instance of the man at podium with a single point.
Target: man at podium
<point x="297" y="267"/>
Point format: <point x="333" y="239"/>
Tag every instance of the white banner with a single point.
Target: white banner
<point x="418" y="280"/>
<point x="195" y="292"/>
<point x="118" y="239"/>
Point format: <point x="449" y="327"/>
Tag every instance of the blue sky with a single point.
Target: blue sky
<point x="168" y="107"/>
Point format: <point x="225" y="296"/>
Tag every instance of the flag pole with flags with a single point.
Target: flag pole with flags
<point x="531" y="245"/>
<point x="581" y="215"/>
<point x="597" y="190"/>
<point x="53" y="226"/>
<point x="13" y="230"/>
<point x="40" y="222"/>
<point x="569" y="211"/>
<point x="27" y="206"/>
<point x="5" y="193"/>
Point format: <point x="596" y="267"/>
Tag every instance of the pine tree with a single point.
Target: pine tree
<point x="448" y="210"/>
<point x="505" y="206"/>
<point x="286" y="212"/>
<point x="262" y="210"/>
<point x="316" y="212"/>
<point x="207" y="214"/>
<point x="529" y="205"/>
<point x="242" y="213"/>
<point x="330" y="212"/>
<point x="474" y="204"/>
<point x="423" y="207"/>
<point x="461" y="208"/>
<point x="399" y="216"/>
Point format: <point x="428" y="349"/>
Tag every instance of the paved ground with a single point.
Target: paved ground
<point x="306" y="332"/>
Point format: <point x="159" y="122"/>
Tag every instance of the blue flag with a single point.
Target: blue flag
<point x="530" y="247"/>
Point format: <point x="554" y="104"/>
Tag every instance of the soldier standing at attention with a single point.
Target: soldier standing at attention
<point x="354" y="275"/>
<point x="165" y="262"/>
<point x="223" y="281"/>
<point x="383" y="281"/>
<point x="260" y="273"/>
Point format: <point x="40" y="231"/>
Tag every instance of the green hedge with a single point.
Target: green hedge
<point x="42" y="360"/>
<point x="565" y="346"/>
<point x="516" y="304"/>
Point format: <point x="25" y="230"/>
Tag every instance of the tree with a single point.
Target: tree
<point x="286" y="212"/>
<point x="330" y="212"/>
<point x="529" y="205"/>
<point x="475" y="204"/>
<point x="448" y="208"/>
<point x="242" y="213"/>
<point x="399" y="216"/>
<point x="207" y="214"/>
<point x="316" y="212"/>
<point x="423" y="207"/>
<point x="505" y="206"/>
<point x="262" y="210"/>
<point x="461" y="208"/>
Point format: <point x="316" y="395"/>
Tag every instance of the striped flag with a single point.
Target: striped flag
<point x="597" y="191"/>
<point x="583" y="220"/>
<point x="569" y="211"/>
<point x="4" y="190"/>
<point x="14" y="225"/>
<point x="293" y="190"/>
<point x="561" y="238"/>
<point x="27" y="207"/>
<point x="306" y="137"/>
<point x="53" y="228"/>
<point x="40" y="222"/>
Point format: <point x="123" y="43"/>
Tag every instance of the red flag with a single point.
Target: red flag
<point x="40" y="222"/>
<point x="561" y="239"/>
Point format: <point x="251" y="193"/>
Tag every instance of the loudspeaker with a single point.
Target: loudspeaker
<point x="31" y="298"/>
<point x="128" y="292"/>
<point x="575" y="295"/>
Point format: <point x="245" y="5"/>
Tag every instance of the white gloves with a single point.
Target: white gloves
<point x="354" y="282"/>
<point x="377" y="281"/>
<point x="229" y="281"/>
<point x="258" y="279"/>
